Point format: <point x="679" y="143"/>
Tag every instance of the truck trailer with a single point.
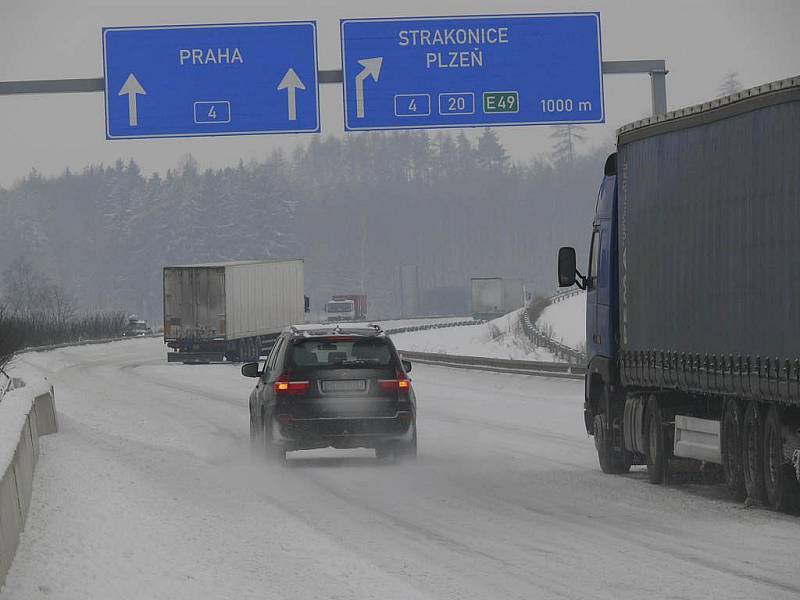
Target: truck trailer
<point x="230" y="310"/>
<point x="693" y="295"/>
<point x="493" y="297"/>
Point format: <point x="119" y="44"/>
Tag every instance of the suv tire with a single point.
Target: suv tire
<point x="274" y="452"/>
<point x="408" y="450"/>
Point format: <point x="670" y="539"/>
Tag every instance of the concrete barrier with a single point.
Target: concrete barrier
<point x="45" y="407"/>
<point x="25" y="414"/>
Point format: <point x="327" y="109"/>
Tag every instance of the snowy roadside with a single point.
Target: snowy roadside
<point x="398" y="323"/>
<point x="14" y="409"/>
<point x="500" y="338"/>
<point x="565" y="321"/>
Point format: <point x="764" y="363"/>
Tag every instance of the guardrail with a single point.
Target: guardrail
<point x="570" y="369"/>
<point x="563" y="295"/>
<point x="410" y="328"/>
<point x="87" y="342"/>
<point x="538" y="337"/>
<point x="499" y="365"/>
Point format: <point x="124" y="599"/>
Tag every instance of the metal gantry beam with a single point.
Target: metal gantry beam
<point x="51" y="86"/>
<point x="655" y="68"/>
<point x="97" y="84"/>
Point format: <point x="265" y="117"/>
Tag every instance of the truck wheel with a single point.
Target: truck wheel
<point x="611" y="461"/>
<point x="731" y="449"/>
<point x="780" y="484"/>
<point x="656" y="450"/>
<point x="752" y="451"/>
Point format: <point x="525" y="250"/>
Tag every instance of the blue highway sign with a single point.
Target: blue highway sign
<point x="472" y="71"/>
<point x="193" y="80"/>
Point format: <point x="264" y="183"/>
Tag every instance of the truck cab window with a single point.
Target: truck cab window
<point x="594" y="259"/>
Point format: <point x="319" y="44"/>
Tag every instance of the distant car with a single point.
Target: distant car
<point x="338" y="386"/>
<point x="136" y="328"/>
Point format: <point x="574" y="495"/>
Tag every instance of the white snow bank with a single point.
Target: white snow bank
<point x="566" y="320"/>
<point x="500" y="338"/>
<point x="14" y="411"/>
<point x="19" y="450"/>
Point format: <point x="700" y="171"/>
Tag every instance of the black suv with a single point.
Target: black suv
<point x="337" y="386"/>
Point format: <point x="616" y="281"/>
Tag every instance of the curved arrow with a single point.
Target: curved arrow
<point x="132" y="87"/>
<point x="291" y="83"/>
<point x="372" y="68"/>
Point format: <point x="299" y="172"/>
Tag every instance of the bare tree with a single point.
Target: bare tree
<point x="730" y="85"/>
<point x="566" y="138"/>
<point x="62" y="304"/>
<point x="11" y="337"/>
<point x="27" y="292"/>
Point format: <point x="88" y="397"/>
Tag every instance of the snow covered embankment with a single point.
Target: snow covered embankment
<point x="25" y="414"/>
<point x="501" y="338"/>
<point x="564" y="320"/>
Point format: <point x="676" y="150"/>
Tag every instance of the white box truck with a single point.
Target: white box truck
<point x="229" y="310"/>
<point x="493" y="297"/>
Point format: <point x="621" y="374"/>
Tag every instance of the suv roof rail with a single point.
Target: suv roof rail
<point x="335" y="329"/>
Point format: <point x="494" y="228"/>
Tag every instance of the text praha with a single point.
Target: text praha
<point x="210" y="56"/>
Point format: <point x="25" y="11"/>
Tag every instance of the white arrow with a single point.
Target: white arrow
<point x="372" y="68"/>
<point x="291" y="83"/>
<point x="132" y="87"/>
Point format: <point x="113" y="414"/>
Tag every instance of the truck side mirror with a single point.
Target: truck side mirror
<point x="251" y="370"/>
<point x="567" y="266"/>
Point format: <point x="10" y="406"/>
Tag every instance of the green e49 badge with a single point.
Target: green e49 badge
<point x="500" y="102"/>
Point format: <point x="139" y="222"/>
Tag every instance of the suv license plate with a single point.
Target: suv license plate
<point x="344" y="385"/>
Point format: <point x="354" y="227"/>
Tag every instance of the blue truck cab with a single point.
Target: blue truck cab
<point x="601" y="282"/>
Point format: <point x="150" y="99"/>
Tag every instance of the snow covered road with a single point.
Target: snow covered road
<point x="148" y="492"/>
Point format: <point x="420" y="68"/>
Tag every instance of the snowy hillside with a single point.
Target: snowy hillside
<point x="565" y="321"/>
<point x="501" y="338"/>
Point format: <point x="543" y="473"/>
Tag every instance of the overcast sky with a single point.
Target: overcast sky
<point x="701" y="40"/>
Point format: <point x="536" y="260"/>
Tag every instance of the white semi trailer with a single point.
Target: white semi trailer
<point x="496" y="296"/>
<point x="229" y="310"/>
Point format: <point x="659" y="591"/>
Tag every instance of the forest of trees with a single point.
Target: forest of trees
<point x="355" y="209"/>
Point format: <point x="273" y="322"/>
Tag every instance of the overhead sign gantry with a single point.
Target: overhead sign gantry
<point x="472" y="71"/>
<point x="197" y="80"/>
<point x="397" y="73"/>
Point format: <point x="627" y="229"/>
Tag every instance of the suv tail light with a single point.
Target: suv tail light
<point x="284" y="386"/>
<point x="401" y="384"/>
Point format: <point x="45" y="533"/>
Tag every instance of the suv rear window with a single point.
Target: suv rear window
<point x="359" y="352"/>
